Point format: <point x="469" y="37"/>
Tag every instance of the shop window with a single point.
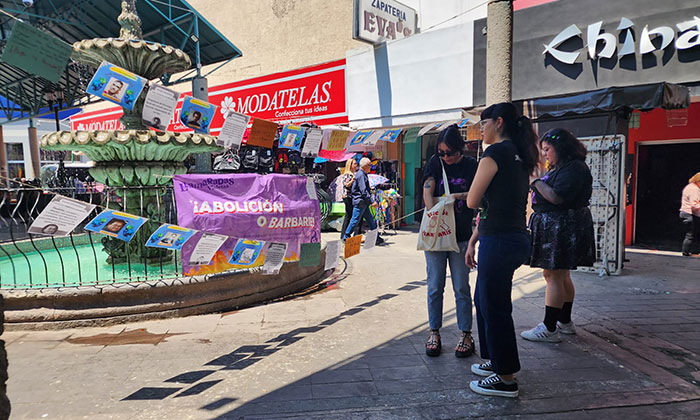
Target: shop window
<point x="15" y="169"/>
<point x="634" y="120"/>
<point x="14" y="151"/>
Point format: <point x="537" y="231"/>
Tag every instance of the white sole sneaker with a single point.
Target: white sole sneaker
<point x="477" y="370"/>
<point x="568" y="329"/>
<point x="541" y="333"/>
<point x="474" y="386"/>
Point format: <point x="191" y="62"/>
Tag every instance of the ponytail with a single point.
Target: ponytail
<point x="525" y="140"/>
<point x="519" y="130"/>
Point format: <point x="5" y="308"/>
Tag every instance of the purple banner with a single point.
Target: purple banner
<point x="269" y="208"/>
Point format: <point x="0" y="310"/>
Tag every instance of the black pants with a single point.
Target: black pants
<point x="348" y="214"/>
<point x="691" y="242"/>
<point x="499" y="256"/>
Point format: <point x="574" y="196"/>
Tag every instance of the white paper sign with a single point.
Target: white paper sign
<point x="312" y="143"/>
<point x="447" y="124"/>
<point x="232" y="131"/>
<point x="311" y="188"/>
<point x="426" y="129"/>
<point x="61" y="216"/>
<point x="205" y="249"/>
<point x="371" y="239"/>
<point x="274" y="258"/>
<point x="332" y="254"/>
<point x="374" y="137"/>
<point x="159" y="107"/>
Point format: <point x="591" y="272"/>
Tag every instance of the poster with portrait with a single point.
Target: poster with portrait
<point x="116" y="224"/>
<point x="390" y="135"/>
<point x="291" y="137"/>
<point x="169" y="237"/>
<point x="61" y="216"/>
<point x="117" y="85"/>
<point x="159" y="107"/>
<point x="246" y="252"/>
<point x="197" y="114"/>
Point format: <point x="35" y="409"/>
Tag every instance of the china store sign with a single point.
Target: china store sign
<point x="379" y="21"/>
<point x="688" y="37"/>
<point x="315" y="93"/>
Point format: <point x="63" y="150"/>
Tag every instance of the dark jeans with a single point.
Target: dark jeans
<point x="348" y="214"/>
<point x="499" y="256"/>
<point x="692" y="234"/>
<point x="358" y="213"/>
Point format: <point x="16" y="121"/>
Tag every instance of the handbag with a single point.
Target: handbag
<point x="438" y="228"/>
<point x="228" y="161"/>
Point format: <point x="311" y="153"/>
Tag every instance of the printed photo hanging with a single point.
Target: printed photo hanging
<point x="117" y="85"/>
<point x="116" y="224"/>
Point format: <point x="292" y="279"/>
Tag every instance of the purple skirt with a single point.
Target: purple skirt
<point x="562" y="240"/>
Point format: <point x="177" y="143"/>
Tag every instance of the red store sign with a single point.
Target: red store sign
<point x="315" y="93"/>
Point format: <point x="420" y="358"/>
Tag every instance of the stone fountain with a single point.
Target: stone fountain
<point x="135" y="157"/>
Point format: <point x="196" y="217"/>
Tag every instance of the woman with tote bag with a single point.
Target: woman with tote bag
<point x="445" y="230"/>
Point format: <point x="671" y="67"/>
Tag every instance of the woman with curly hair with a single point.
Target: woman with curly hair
<point x="562" y="229"/>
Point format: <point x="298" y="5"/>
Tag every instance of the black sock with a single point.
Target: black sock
<point x="565" y="315"/>
<point x="551" y="316"/>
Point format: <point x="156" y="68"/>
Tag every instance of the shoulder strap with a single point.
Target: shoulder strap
<point x="444" y="178"/>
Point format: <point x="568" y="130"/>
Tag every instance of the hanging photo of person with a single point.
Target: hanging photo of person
<point x="169" y="237"/>
<point x="116" y="224"/>
<point x="197" y="114"/>
<point x="195" y="120"/>
<point x="117" y="85"/>
<point x="115" y="89"/>
<point x="246" y="252"/>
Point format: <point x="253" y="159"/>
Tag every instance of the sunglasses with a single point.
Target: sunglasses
<point x="442" y="153"/>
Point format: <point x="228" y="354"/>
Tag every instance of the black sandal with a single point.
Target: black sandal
<point x="465" y="345"/>
<point x="434" y="345"/>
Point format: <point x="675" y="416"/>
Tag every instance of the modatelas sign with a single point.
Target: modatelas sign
<point x="377" y="21"/>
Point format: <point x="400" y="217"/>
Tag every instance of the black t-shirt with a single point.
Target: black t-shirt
<point x="460" y="177"/>
<point x="505" y="200"/>
<point x="572" y="182"/>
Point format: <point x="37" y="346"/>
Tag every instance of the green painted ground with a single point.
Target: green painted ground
<point x="22" y="277"/>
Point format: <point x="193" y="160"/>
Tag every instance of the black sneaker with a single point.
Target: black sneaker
<point x="494" y="385"/>
<point x="484" y="369"/>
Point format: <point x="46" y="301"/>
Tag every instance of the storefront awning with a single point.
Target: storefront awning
<point x="639" y="97"/>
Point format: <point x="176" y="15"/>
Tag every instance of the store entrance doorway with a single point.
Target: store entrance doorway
<point x="663" y="171"/>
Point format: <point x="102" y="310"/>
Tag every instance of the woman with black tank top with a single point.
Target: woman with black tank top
<point x="500" y="191"/>
<point x="562" y="229"/>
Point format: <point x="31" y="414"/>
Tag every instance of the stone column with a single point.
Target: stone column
<point x="4" y="401"/>
<point x="34" y="150"/>
<point x="499" y="51"/>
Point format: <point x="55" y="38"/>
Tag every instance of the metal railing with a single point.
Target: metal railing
<point x="84" y="258"/>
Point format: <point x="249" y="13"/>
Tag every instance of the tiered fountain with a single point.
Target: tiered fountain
<point x="136" y="156"/>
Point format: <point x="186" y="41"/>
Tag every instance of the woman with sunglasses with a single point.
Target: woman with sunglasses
<point x="460" y="172"/>
<point x="562" y="229"/>
<point x="500" y="190"/>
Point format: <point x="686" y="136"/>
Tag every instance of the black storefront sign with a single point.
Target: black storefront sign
<point x="638" y="42"/>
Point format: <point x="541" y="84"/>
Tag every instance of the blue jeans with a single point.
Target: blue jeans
<point x="499" y="256"/>
<point x="436" y="266"/>
<point x="358" y="213"/>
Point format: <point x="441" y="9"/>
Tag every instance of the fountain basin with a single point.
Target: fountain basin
<point x="100" y="305"/>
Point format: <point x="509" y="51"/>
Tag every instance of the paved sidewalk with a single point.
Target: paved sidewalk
<point x="356" y="351"/>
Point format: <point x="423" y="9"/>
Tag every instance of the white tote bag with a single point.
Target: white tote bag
<point x="438" y="229"/>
